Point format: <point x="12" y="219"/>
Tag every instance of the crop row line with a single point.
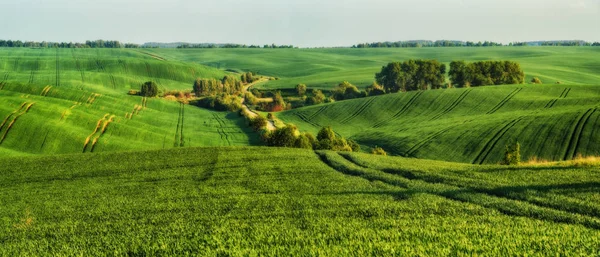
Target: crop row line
<point x="563" y="94"/>
<point x="78" y="66"/>
<point x="6" y="126"/>
<point x="487" y="198"/>
<point x="4" y="79"/>
<point x="314" y="114"/>
<point x="577" y="133"/>
<point x="360" y="110"/>
<point x="505" y="100"/>
<point x="487" y="148"/>
<point x="46" y="90"/>
<point x="453" y="105"/>
<point x="427" y="139"/>
<point x="402" y="111"/>
<point x="221" y="130"/>
<point x="305" y="119"/>
<point x="57" y="68"/>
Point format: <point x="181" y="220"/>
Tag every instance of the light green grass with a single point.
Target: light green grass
<point x="467" y="125"/>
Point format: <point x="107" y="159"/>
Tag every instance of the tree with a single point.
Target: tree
<point x="345" y="90"/>
<point x="512" y="155"/>
<point x="375" y="89"/>
<point x="412" y="75"/>
<point x="283" y="137"/>
<point x="301" y="89"/>
<point x="326" y="133"/>
<point x="317" y="98"/>
<point x="149" y="89"/>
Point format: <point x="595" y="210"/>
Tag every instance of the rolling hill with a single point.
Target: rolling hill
<point x="325" y="68"/>
<point x="473" y="125"/>
<point x="75" y="100"/>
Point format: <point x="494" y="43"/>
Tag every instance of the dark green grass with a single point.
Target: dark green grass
<point x="270" y="201"/>
<point x="325" y="68"/>
<point x="552" y="122"/>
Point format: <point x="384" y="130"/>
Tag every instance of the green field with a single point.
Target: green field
<point x="74" y="93"/>
<point x="272" y="201"/>
<point x="89" y="170"/>
<point x="325" y="68"/>
<point x="473" y="125"/>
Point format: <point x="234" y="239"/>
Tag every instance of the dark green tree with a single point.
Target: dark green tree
<point x="149" y="89"/>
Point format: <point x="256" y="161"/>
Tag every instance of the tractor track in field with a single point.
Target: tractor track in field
<point x="575" y="137"/>
<point x="101" y="126"/>
<point x="491" y="144"/>
<point x="221" y="129"/>
<point x="360" y="110"/>
<point x="46" y="90"/>
<point x="314" y="114"/>
<point x="13" y="117"/>
<point x="57" y="68"/>
<point x="78" y="66"/>
<point x="4" y="80"/>
<point x="34" y="70"/>
<point x="402" y="111"/>
<point x="497" y="197"/>
<point x="504" y="101"/>
<point x="307" y="120"/>
<point x="563" y="95"/>
<point x="428" y="139"/>
<point x="453" y="105"/>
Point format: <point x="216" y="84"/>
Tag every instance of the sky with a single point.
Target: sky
<point x="304" y="23"/>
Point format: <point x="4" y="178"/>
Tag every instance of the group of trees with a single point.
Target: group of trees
<point x="426" y="43"/>
<point x="231" y="46"/>
<point x="484" y="73"/>
<point x="149" y="89"/>
<point x="207" y="87"/>
<point x="411" y="75"/>
<point x="450" y="43"/>
<point x="88" y="44"/>
<point x="345" y="90"/>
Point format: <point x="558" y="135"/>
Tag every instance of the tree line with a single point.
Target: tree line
<point x="450" y="43"/>
<point x="183" y="46"/>
<point x="88" y="44"/>
<point x="430" y="74"/>
<point x="426" y="43"/>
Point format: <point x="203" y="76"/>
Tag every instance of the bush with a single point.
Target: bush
<point x="283" y="137"/>
<point x="378" y="151"/>
<point x="221" y="102"/>
<point x="536" y="80"/>
<point x="345" y="90"/>
<point x="301" y="89"/>
<point x="326" y="133"/>
<point x="375" y="89"/>
<point x="303" y="141"/>
<point x="149" y="89"/>
<point x="258" y="122"/>
<point x="512" y="155"/>
<point x="317" y="98"/>
<point x="353" y="145"/>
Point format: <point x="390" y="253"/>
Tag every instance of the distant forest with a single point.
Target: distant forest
<point x="453" y="43"/>
<point x="399" y="44"/>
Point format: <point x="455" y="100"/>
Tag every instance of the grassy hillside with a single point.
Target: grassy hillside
<point x="552" y="122"/>
<point x="267" y="201"/>
<point x="324" y="68"/>
<point x="77" y="101"/>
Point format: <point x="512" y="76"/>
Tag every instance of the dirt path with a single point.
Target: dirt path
<point x="251" y="113"/>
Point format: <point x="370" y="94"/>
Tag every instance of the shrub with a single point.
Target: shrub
<point x="326" y="133"/>
<point x="283" y="137"/>
<point x="353" y="145"/>
<point x="317" y="98"/>
<point x="258" y="122"/>
<point x="301" y="89"/>
<point x="345" y="90"/>
<point x="303" y="142"/>
<point x="378" y="151"/>
<point x="375" y="89"/>
<point x="512" y="155"/>
<point x="149" y="89"/>
<point x="536" y="80"/>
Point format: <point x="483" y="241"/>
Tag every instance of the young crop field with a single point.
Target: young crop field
<point x="472" y="125"/>
<point x="325" y="68"/>
<point x="274" y="201"/>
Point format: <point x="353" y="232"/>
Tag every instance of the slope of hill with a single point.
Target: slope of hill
<point x="324" y="68"/>
<point x="552" y="122"/>
<point x="75" y="100"/>
<point x="214" y="202"/>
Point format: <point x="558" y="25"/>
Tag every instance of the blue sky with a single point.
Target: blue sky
<point x="307" y="23"/>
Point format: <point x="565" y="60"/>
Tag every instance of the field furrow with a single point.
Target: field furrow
<point x="402" y="111"/>
<point x="491" y="144"/>
<point x="359" y="111"/>
<point x="453" y="105"/>
<point x="575" y="136"/>
<point x="504" y="101"/>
